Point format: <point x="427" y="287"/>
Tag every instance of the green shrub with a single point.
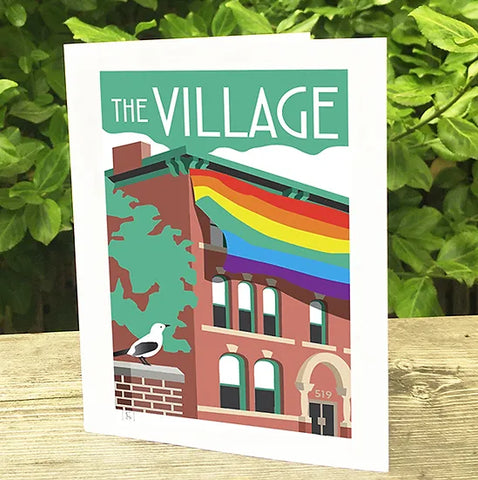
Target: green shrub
<point x="432" y="132"/>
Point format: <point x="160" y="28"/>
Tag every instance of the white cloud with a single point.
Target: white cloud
<point x="328" y="170"/>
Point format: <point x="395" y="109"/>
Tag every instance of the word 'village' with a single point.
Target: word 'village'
<point x="266" y="116"/>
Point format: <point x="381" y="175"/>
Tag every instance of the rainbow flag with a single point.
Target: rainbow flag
<point x="266" y="233"/>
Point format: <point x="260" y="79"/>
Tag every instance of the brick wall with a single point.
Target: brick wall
<point x="148" y="388"/>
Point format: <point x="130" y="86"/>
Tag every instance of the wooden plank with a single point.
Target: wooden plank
<point x="433" y="416"/>
<point x="40" y="365"/>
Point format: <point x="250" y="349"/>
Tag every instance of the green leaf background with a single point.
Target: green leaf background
<point x="432" y="134"/>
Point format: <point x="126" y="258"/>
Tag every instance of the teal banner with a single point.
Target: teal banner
<point x="204" y="110"/>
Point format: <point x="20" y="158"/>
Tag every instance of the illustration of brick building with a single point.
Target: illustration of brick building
<point x="269" y="343"/>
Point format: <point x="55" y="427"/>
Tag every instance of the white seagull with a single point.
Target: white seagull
<point x="146" y="346"/>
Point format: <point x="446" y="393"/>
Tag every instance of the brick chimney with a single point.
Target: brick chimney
<point x="129" y="157"/>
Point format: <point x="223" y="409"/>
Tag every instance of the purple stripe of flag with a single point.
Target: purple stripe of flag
<point x="325" y="287"/>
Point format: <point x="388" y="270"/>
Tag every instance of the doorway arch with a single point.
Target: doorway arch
<point x="341" y="372"/>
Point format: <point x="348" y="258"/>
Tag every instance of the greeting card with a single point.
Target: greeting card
<point x="230" y="221"/>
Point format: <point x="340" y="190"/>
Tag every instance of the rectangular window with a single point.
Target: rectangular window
<point x="265" y="400"/>
<point x="220" y="301"/>
<point x="316" y="333"/>
<point x="219" y="315"/>
<point x="270" y="311"/>
<point x="270" y="324"/>
<point x="230" y="397"/>
<point x="318" y="322"/>
<point x="245" y="295"/>
<point x="245" y="321"/>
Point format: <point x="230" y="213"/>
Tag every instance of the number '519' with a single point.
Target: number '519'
<point x="323" y="394"/>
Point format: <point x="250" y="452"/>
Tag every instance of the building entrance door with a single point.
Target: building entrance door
<point x="323" y="418"/>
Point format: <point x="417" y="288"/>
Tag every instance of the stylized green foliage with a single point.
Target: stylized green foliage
<point x="151" y="259"/>
<point x="126" y="312"/>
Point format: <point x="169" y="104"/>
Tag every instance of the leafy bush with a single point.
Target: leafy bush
<point x="432" y="129"/>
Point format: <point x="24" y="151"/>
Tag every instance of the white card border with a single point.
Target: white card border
<point x="365" y="61"/>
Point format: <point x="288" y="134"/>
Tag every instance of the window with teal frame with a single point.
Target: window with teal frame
<point x="318" y="322"/>
<point x="267" y="386"/>
<point x="270" y="306"/>
<point x="220" y="302"/>
<point x="232" y="382"/>
<point x="246" y="307"/>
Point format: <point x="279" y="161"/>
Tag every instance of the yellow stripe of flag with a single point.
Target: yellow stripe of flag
<point x="274" y="229"/>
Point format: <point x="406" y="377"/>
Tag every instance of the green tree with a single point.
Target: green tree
<point x="158" y="266"/>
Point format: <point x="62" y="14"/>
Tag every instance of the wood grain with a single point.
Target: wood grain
<point x="433" y="416"/>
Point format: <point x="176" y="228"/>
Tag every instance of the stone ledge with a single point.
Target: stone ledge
<point x="247" y="413"/>
<point x="154" y="372"/>
<point x="212" y="248"/>
<point x="320" y="346"/>
<point x="240" y="333"/>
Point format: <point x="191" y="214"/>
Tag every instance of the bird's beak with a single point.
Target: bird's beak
<point x="167" y="324"/>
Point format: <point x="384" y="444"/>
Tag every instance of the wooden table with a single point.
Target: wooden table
<point x="433" y="416"/>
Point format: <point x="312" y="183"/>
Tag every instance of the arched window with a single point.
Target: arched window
<point x="232" y="382"/>
<point x="270" y="302"/>
<point x="267" y="386"/>
<point x="220" y="303"/>
<point x="217" y="237"/>
<point x="318" y="327"/>
<point x="246" y="307"/>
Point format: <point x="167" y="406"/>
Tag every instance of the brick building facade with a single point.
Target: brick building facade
<point x="265" y="351"/>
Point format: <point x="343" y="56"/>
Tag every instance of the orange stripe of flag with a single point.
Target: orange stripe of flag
<point x="271" y="211"/>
